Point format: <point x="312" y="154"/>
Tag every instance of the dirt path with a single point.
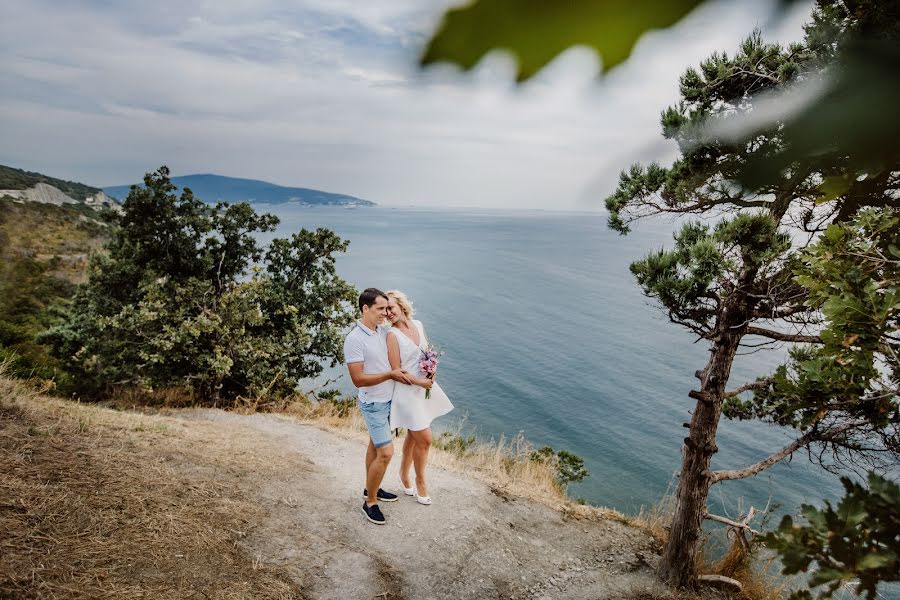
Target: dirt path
<point x="97" y="503"/>
<point x="471" y="543"/>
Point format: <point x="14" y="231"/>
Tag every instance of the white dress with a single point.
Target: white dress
<point x="409" y="408"/>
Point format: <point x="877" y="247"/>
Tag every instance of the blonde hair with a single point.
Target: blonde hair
<point x="403" y="302"/>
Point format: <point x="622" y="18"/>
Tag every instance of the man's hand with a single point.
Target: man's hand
<point x="401" y="376"/>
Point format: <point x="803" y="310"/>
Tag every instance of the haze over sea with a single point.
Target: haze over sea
<point x="544" y="331"/>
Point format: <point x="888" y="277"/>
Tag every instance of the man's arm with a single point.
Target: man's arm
<point x="393" y="347"/>
<point x="361" y="379"/>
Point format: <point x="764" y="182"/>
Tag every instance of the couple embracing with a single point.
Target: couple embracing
<point x="383" y="353"/>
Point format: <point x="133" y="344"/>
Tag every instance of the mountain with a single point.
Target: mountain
<point x="215" y="188"/>
<point x="36" y="187"/>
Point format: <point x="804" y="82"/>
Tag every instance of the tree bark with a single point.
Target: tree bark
<point x="678" y="566"/>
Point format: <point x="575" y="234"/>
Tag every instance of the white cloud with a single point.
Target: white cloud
<point x="326" y="94"/>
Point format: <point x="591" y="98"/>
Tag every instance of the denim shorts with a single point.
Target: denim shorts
<point x="377" y="416"/>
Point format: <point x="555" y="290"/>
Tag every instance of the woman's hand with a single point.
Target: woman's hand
<point x="425" y="383"/>
<point x="401" y="376"/>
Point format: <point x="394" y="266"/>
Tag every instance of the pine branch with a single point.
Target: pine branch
<point x="783" y="337"/>
<point x="756" y="385"/>
<point x="732" y="523"/>
<point x="812" y="436"/>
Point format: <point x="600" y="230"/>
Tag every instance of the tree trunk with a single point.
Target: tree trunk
<point x="678" y="566"/>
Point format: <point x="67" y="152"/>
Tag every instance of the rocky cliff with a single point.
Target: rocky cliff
<point x="47" y="194"/>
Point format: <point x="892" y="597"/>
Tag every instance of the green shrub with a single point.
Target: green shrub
<point x="569" y="467"/>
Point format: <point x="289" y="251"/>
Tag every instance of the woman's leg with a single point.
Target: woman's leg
<point x="409" y="450"/>
<point x="420" y="458"/>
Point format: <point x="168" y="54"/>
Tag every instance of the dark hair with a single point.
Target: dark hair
<point x="368" y="297"/>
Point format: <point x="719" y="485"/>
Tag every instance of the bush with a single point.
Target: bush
<point x="569" y="467"/>
<point x="185" y="296"/>
<point x="455" y="444"/>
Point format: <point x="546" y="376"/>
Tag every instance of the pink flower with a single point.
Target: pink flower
<point x="428" y="365"/>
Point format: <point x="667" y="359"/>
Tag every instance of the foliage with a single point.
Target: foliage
<point x="536" y="32"/>
<point x="456" y="444"/>
<point x="686" y="280"/>
<point x="749" y="266"/>
<point x="858" y="540"/>
<point x="852" y="275"/>
<point x="569" y="467"/>
<point x="17" y="179"/>
<point x="748" y="274"/>
<point x="852" y="113"/>
<point x="852" y="108"/>
<point x="185" y="296"/>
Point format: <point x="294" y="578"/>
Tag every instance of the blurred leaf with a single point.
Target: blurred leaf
<point x="832" y="188"/>
<point x="876" y="561"/>
<point x="856" y="117"/>
<point x="536" y="31"/>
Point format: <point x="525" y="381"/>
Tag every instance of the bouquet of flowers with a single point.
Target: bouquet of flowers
<point x="428" y="364"/>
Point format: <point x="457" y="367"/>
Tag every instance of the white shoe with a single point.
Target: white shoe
<point x="426" y="500"/>
<point x="409" y="491"/>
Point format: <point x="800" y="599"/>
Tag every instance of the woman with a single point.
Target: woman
<point x="409" y="408"/>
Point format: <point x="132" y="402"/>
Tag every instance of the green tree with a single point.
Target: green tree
<point x="735" y="279"/>
<point x="185" y="296"/>
<point x="732" y="275"/>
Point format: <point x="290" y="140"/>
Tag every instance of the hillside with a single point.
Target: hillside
<point x="217" y="188"/>
<point x="207" y="504"/>
<point x="18" y="179"/>
<point x="44" y="251"/>
<point x="48" y="229"/>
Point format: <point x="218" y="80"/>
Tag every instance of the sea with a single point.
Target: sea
<point x="545" y="332"/>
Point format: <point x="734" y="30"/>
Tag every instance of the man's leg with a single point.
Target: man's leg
<point x="375" y="472"/>
<point x="381" y="446"/>
<point x="370" y="455"/>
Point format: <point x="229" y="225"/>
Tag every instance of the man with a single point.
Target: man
<point x="365" y="352"/>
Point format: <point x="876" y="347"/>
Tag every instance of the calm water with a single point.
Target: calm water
<point x="545" y="332"/>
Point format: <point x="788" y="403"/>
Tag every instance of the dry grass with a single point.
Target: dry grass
<point x="656" y="518"/>
<point x="97" y="504"/>
<point x="759" y="577"/>
<point x="143" y="400"/>
<point x="504" y="464"/>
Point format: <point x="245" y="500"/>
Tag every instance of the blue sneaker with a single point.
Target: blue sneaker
<point x="373" y="513"/>
<point x="382" y="495"/>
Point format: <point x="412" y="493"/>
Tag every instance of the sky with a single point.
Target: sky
<point x="327" y="94"/>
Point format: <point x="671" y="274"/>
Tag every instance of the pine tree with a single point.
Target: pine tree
<point x="731" y="277"/>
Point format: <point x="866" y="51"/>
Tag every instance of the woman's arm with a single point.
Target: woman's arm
<point x="393" y="347"/>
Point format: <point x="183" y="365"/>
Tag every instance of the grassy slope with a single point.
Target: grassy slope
<point x="97" y="503"/>
<point x="44" y="251"/>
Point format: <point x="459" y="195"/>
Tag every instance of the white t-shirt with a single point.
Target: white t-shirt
<point x="370" y="347"/>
